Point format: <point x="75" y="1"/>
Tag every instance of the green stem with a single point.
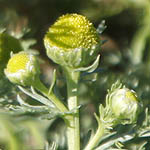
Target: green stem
<point x="148" y="56"/>
<point x="14" y="142"/>
<point x="95" y="140"/>
<point x="73" y="128"/>
<point x="41" y="87"/>
<point x="139" y="40"/>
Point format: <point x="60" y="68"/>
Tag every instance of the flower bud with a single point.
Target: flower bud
<point x="22" y="68"/>
<point x="125" y="105"/>
<point x="7" y="44"/>
<point x="72" y="41"/>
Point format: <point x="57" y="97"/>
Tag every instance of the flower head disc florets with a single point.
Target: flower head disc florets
<point x="22" y="61"/>
<point x="72" y="31"/>
<point x="22" y="68"/>
<point x="71" y="40"/>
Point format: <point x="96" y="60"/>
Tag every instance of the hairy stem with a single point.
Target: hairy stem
<point x="140" y="38"/>
<point x="73" y="129"/>
<point x="41" y="88"/>
<point x="96" y="138"/>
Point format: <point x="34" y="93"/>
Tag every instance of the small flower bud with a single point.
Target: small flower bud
<point x="125" y="105"/>
<point x="22" y="68"/>
<point x="72" y="41"/>
<point x="7" y="44"/>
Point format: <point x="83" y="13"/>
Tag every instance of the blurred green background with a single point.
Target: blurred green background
<point x="125" y="56"/>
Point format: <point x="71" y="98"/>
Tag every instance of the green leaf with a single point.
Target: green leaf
<point x="27" y="43"/>
<point x="37" y="97"/>
<point x="101" y="27"/>
<point x="121" y="138"/>
<point x="53" y="82"/>
<point x="24" y="104"/>
<point x="2" y="30"/>
<point x="53" y="146"/>
<point x="55" y="114"/>
<point x="90" y="68"/>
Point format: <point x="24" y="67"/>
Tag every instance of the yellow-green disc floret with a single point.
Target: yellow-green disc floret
<point x="131" y="95"/>
<point x="7" y="44"/>
<point x="22" y="68"/>
<point x="72" y="31"/>
<point x="72" y="41"/>
<point x="18" y="62"/>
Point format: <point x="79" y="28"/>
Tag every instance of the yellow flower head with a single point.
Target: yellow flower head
<point x="18" y="63"/>
<point x="72" y="41"/>
<point x="72" y="31"/>
<point x="22" y="68"/>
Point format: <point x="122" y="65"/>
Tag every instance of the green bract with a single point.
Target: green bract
<point x="125" y="105"/>
<point x="22" y="68"/>
<point x="7" y="44"/>
<point x="72" y="41"/>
